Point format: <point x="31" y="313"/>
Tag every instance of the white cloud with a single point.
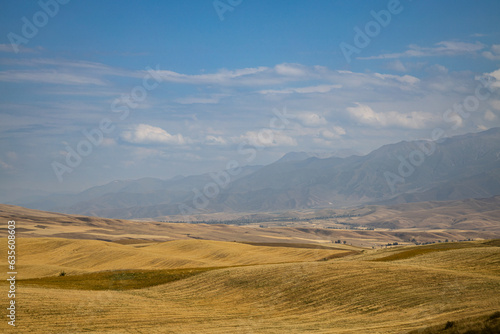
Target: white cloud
<point x="311" y="119"/>
<point x="253" y="76"/>
<point x="496" y="76"/>
<point x="221" y="77"/>
<point x="333" y="133"/>
<point x="295" y="70"/>
<point x="215" y="140"/>
<point x="397" y="65"/>
<point x="438" y="68"/>
<point x="413" y="120"/>
<point x="266" y="138"/>
<point x="147" y="134"/>
<point x="356" y="80"/>
<point x="5" y="165"/>
<point x="489" y="115"/>
<point x="444" y="48"/>
<point x="405" y="79"/>
<point x="494" y="54"/>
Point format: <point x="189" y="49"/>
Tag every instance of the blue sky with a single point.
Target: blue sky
<point x="215" y="86"/>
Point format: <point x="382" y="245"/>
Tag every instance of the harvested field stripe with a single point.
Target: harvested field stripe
<point x="420" y="250"/>
<point x="133" y="279"/>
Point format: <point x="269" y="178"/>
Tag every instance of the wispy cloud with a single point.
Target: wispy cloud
<point x="7" y="48"/>
<point x="302" y="90"/>
<point x="49" y="77"/>
<point x="61" y="71"/>
<point x="405" y="79"/>
<point x="201" y="100"/>
<point x="445" y="48"/>
<point x="279" y="74"/>
<point x="215" y="140"/>
<point x="266" y="138"/>
<point x="5" y="165"/>
<point x="221" y="77"/>
<point x="397" y="65"/>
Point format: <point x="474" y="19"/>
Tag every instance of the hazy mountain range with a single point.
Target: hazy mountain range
<point x="466" y="166"/>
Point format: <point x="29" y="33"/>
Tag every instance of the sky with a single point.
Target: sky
<point x="95" y="91"/>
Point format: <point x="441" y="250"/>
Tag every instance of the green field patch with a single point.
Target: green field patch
<point x="114" y="280"/>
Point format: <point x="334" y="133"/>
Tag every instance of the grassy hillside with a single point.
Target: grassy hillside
<point x="353" y="294"/>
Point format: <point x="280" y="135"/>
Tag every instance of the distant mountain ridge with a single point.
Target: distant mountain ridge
<point x="297" y="156"/>
<point x="466" y="166"/>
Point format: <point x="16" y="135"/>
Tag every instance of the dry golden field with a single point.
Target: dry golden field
<point x="239" y="288"/>
<point x="153" y="277"/>
<point x="39" y="257"/>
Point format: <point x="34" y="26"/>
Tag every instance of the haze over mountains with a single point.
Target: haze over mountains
<point x="460" y="167"/>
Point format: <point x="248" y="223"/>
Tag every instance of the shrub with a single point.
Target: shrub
<point x="449" y="324"/>
<point x="495" y="315"/>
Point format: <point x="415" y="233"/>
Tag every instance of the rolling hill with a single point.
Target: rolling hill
<point x="411" y="288"/>
<point x="157" y="277"/>
<point x="50" y="256"/>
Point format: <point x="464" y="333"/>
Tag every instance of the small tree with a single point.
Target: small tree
<point x="449" y="324"/>
<point x="62" y="273"/>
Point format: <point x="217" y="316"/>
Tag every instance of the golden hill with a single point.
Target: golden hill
<point x="49" y="256"/>
<point x="353" y="294"/>
<point x="154" y="277"/>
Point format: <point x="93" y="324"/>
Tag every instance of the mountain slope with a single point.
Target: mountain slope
<point x="460" y="167"/>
